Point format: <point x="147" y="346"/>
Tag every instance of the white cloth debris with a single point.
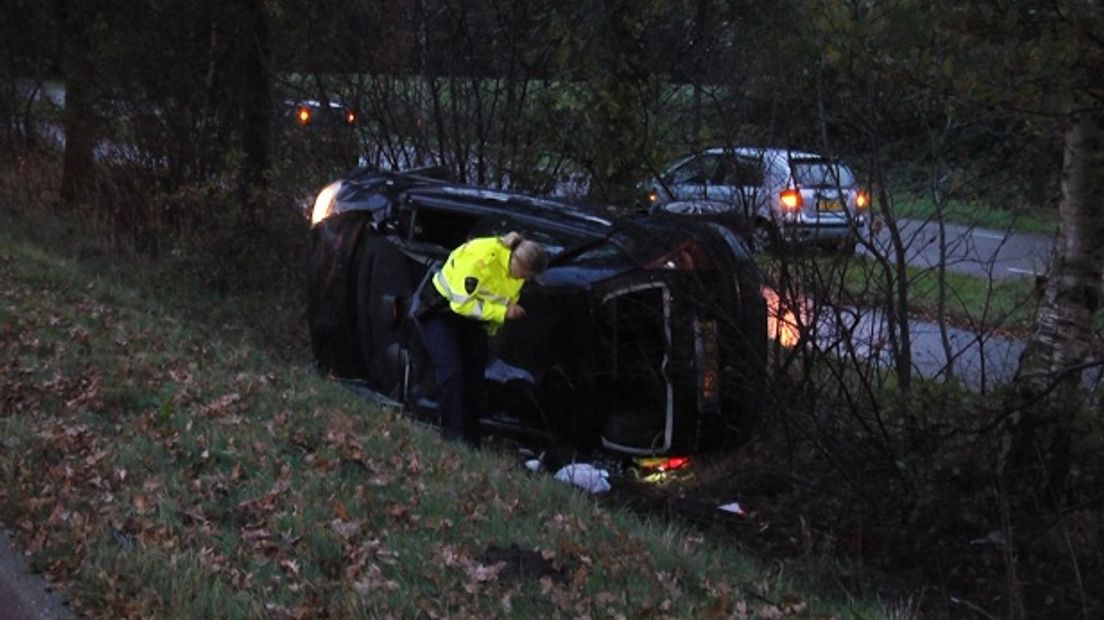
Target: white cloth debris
<point x="586" y="476"/>
<point x="733" y="507"/>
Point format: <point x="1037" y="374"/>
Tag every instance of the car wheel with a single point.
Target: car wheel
<point x="750" y="353"/>
<point x="847" y="246"/>
<point x="383" y="283"/>
<point x="764" y="238"/>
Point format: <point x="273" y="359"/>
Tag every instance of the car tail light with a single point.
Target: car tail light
<point x="861" y="200"/>
<point x="661" y="469"/>
<point x="708" y="363"/>
<point x="663" y="463"/>
<point x="303" y="115"/>
<point x="791" y="199"/>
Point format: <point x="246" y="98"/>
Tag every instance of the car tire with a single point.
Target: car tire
<point x="751" y="353"/>
<point x="847" y="246"/>
<point x="764" y="238"/>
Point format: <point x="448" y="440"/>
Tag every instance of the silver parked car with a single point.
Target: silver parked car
<point x="786" y="196"/>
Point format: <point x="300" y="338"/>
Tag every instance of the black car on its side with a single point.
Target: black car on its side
<point x="647" y="334"/>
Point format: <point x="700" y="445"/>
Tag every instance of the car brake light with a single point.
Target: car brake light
<point x="662" y="463"/>
<point x="861" y="200"/>
<point x="708" y="362"/>
<point x="791" y="199"/>
<point x="304" y="115"/>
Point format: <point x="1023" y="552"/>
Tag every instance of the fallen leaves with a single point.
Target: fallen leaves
<point x="220" y="406"/>
<point x="164" y="455"/>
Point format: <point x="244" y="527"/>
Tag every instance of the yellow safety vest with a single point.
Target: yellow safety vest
<point x="477" y="283"/>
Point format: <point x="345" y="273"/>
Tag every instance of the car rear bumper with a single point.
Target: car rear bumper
<point x="812" y="230"/>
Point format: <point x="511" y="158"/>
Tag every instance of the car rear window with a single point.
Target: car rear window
<point x="821" y="173"/>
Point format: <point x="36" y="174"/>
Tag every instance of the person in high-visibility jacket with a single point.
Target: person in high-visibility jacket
<point x="474" y="293"/>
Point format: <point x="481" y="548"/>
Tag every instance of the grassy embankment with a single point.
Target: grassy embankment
<point x="912" y="206"/>
<point x="169" y="452"/>
<point x="1007" y="304"/>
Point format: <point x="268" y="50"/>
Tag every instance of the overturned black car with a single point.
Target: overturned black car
<point x="646" y="334"/>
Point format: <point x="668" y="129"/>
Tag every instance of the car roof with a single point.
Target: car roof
<point x="769" y="153"/>
<point x="311" y="103"/>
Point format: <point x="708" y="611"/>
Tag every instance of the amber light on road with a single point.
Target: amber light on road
<point x="782" y="325"/>
<point x="791" y="199"/>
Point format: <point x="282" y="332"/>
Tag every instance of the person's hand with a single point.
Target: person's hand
<point x="514" y="311"/>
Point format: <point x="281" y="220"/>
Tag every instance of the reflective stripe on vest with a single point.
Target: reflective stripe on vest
<point x="455" y="298"/>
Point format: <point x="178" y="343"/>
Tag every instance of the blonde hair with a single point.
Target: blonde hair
<point x="530" y="255"/>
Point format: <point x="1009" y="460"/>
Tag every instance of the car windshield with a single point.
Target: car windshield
<point x="821" y="173"/>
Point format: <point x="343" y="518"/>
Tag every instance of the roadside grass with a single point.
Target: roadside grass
<point x="169" y="454"/>
<point x="1008" y="303"/>
<point x="914" y="206"/>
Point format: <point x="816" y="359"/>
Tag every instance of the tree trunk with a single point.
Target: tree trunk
<point x="1049" y="374"/>
<point x="79" y="116"/>
<point x="257" y="108"/>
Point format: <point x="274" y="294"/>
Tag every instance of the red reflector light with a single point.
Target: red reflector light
<point x="791" y="199"/>
<point x="675" y="462"/>
<point x="663" y="463"/>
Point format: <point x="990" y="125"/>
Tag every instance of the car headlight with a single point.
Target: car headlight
<point x="324" y="204"/>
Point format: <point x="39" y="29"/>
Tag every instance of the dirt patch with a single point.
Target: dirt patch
<point x="521" y="564"/>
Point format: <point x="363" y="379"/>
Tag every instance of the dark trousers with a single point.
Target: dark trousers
<point x="458" y="348"/>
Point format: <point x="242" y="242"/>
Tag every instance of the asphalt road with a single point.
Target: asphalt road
<point x="24" y="596"/>
<point x="978" y="252"/>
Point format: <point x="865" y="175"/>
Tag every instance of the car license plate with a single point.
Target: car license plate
<point x="829" y="205"/>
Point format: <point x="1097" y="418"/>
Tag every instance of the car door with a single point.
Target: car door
<point x="738" y="180"/>
<point x="691" y="179"/>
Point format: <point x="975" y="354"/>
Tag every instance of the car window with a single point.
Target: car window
<point x="697" y="171"/>
<point x="442" y="227"/>
<point x="821" y="173"/>
<point x="741" y="172"/>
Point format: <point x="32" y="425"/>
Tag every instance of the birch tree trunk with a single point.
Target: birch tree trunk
<point x="1049" y="375"/>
